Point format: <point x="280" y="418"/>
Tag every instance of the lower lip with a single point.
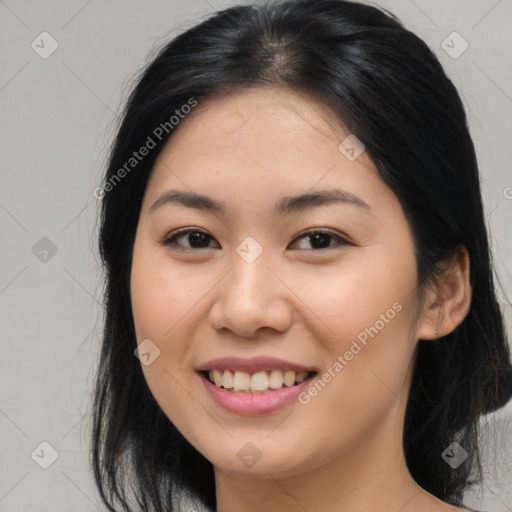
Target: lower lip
<point x="255" y="403"/>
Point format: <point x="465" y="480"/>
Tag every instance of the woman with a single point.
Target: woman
<point x="300" y="308"/>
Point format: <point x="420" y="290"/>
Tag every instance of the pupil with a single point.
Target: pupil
<point x="201" y="238"/>
<point x="319" y="236"/>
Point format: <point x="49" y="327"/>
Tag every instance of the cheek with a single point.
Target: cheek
<point x="168" y="304"/>
<point x="162" y="293"/>
<point x="357" y="294"/>
<point x="163" y="300"/>
<point x="364" y="314"/>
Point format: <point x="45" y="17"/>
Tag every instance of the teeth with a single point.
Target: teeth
<point x="301" y="377"/>
<point x="241" y="381"/>
<point x="227" y="380"/>
<point x="217" y="377"/>
<point x="289" y="379"/>
<point x="276" y="379"/>
<point x="259" y="381"/>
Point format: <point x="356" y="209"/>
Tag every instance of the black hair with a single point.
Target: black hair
<point x="389" y="90"/>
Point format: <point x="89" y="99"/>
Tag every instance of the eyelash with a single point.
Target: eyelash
<point x="171" y="239"/>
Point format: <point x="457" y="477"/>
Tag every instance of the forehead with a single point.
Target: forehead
<point x="253" y="108"/>
<point x="255" y="122"/>
<point x="260" y="144"/>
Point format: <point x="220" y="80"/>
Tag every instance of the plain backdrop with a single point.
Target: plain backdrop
<point x="58" y="117"/>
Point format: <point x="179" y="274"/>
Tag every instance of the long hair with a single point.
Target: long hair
<point x="389" y="90"/>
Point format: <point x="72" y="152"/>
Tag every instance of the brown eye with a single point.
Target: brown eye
<point x="196" y="239"/>
<point x="320" y="239"/>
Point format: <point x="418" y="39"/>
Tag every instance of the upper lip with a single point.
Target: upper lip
<point x="253" y="365"/>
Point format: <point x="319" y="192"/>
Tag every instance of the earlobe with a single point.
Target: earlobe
<point x="451" y="301"/>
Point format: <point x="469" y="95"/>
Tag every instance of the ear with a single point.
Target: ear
<point x="447" y="306"/>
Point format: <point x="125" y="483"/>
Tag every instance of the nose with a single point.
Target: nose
<point x="251" y="298"/>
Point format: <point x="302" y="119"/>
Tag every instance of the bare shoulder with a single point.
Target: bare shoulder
<point x="453" y="508"/>
<point x="426" y="502"/>
<point x="442" y="506"/>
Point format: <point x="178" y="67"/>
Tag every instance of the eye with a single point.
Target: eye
<point x="320" y="239"/>
<point x="198" y="239"/>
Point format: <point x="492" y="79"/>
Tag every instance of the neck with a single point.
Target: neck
<point x="371" y="476"/>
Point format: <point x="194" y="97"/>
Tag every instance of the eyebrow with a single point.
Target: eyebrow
<point x="285" y="205"/>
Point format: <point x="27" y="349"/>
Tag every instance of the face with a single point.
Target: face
<point x="325" y="285"/>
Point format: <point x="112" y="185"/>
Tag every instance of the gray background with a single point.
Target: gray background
<point x="58" y="117"/>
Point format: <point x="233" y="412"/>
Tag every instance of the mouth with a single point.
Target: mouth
<point x="260" y="382"/>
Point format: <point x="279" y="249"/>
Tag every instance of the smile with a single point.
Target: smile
<point x="258" y="382"/>
<point x="254" y="402"/>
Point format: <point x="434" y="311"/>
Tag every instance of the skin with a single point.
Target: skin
<point x="343" y="450"/>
